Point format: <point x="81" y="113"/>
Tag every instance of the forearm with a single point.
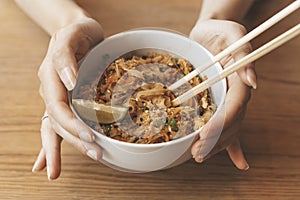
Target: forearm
<point x="233" y="10"/>
<point x="52" y="15"/>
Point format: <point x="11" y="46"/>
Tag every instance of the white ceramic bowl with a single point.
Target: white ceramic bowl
<point x="148" y="157"/>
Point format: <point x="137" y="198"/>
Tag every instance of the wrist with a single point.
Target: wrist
<point x="77" y="15"/>
<point x="81" y="30"/>
<point x="93" y="29"/>
<point x="233" y="10"/>
<point x="52" y="15"/>
<point x="208" y="15"/>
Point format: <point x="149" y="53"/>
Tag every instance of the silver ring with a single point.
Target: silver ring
<point x="44" y="117"/>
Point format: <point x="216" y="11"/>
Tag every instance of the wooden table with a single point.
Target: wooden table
<point x="270" y="132"/>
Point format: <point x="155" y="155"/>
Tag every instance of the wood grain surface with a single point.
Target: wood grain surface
<point x="270" y="134"/>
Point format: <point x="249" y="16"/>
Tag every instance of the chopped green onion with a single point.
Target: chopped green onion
<point x="173" y="124"/>
<point x="144" y="108"/>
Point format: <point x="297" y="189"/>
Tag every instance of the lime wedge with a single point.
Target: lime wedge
<point x="100" y="113"/>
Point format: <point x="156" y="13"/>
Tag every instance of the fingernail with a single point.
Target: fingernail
<point x="197" y="156"/>
<point x="34" y="168"/>
<point x="251" y="77"/>
<point x="195" y="152"/>
<point x="49" y="174"/>
<point x="86" y="136"/>
<point x="92" y="154"/>
<point x="83" y="133"/>
<point x="200" y="160"/>
<point x="247" y="167"/>
<point x="68" y="78"/>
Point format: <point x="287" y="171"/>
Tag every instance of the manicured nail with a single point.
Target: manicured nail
<point x="200" y="160"/>
<point x="92" y="154"/>
<point x="34" y="168"/>
<point x="251" y="78"/>
<point x="247" y="167"/>
<point x="196" y="153"/>
<point x="198" y="157"/>
<point x="68" y="78"/>
<point x="86" y="136"/>
<point x="49" y="174"/>
<point x="83" y="133"/>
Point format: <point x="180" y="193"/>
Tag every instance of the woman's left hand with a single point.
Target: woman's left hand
<point x="58" y="74"/>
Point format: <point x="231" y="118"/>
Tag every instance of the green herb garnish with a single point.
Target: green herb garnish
<point x="107" y="130"/>
<point x="173" y="124"/>
<point x="144" y="108"/>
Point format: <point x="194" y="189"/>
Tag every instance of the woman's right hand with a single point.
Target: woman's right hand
<point x="223" y="131"/>
<point x="58" y="73"/>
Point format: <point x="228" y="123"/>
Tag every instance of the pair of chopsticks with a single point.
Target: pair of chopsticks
<point x="268" y="47"/>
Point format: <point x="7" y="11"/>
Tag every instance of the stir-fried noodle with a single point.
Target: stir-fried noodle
<point x="140" y="83"/>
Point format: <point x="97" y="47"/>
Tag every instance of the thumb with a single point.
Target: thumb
<point x="67" y="68"/>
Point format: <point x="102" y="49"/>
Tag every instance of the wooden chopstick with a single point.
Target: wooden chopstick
<point x="266" y="48"/>
<point x="254" y="33"/>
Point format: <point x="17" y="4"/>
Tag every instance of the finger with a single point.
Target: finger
<point x="195" y="151"/>
<point x="227" y="137"/>
<point x="219" y="132"/>
<point x="40" y="162"/>
<point x="52" y="148"/>
<point x="232" y="122"/>
<point x="206" y="148"/>
<point x="247" y="73"/>
<point x="90" y="149"/>
<point x="64" y="61"/>
<point x="236" y="99"/>
<point x="236" y="155"/>
<point x="55" y="97"/>
<point x="68" y="121"/>
<point x="209" y="137"/>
